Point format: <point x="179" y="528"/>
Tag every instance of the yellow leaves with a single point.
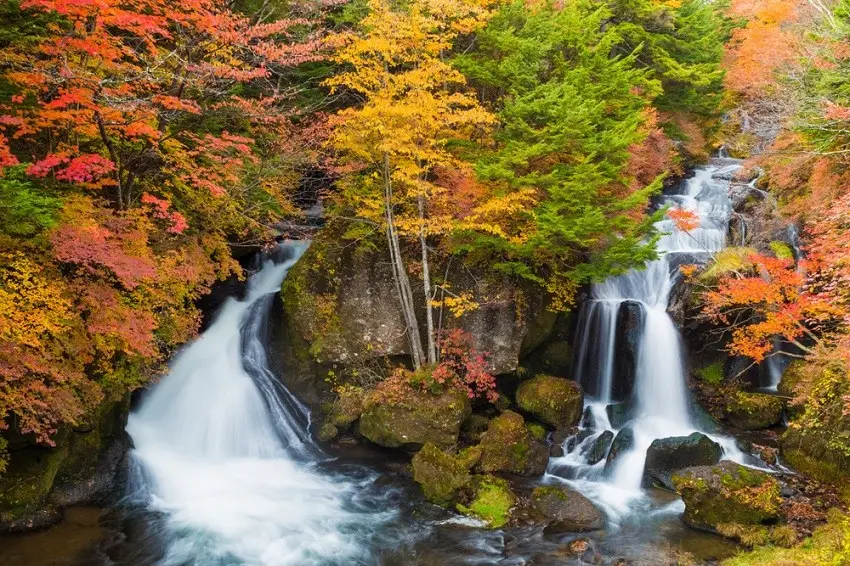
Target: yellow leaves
<point x="32" y="304"/>
<point x="458" y="305"/>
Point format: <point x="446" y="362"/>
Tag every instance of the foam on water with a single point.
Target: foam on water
<point x="224" y="452"/>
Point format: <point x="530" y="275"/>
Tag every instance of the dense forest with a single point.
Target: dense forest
<point x="479" y="168"/>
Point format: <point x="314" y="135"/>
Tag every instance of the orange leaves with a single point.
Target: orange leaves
<point x="772" y="302"/>
<point x="684" y="220"/>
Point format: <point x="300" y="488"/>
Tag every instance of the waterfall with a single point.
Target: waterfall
<point x="658" y="403"/>
<point x="222" y="451"/>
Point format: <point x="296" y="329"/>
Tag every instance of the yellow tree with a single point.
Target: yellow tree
<point x="413" y="105"/>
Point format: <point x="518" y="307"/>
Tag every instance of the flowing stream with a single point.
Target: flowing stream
<point x="657" y="403"/>
<point x="223" y="452"/>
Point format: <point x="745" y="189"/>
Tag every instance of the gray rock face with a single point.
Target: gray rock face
<point x="618" y="414"/>
<point x="629" y="328"/>
<point x="341" y="303"/>
<point x="567" y="510"/>
<point x="624" y="440"/>
<point x="666" y="456"/>
<point x="600" y="447"/>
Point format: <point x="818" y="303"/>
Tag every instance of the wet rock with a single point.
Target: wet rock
<point x="618" y="414"/>
<point x="753" y="411"/>
<point x="413" y="418"/>
<point x="327" y="432"/>
<point x="587" y="420"/>
<point x="492" y="501"/>
<point x="509" y="447"/>
<point x="441" y="475"/>
<point x="580" y="549"/>
<point x="579" y="437"/>
<point x="703" y="420"/>
<point x="727" y="493"/>
<point x="566" y="510"/>
<point x="559" y="437"/>
<point x="629" y="329"/>
<point x="553" y="400"/>
<point x="623" y="442"/>
<point x="599" y="448"/>
<point x="666" y="456"/>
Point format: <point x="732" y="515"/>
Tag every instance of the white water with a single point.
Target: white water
<point x="222" y="450"/>
<point x="660" y="397"/>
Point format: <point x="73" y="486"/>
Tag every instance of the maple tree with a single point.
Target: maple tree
<point x="414" y="103"/>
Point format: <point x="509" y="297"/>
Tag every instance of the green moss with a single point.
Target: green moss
<point x="727" y="493"/>
<point x="27" y="482"/>
<point x="440" y="475"/>
<point x="829" y="545"/>
<point x="548" y="491"/>
<point x="753" y="411"/>
<point x="727" y="261"/>
<point x="508" y="446"/>
<point x="781" y="250"/>
<point x="554" y="400"/>
<point x="492" y="501"/>
<point x="468" y="457"/>
<point x="712" y="373"/>
<point x="537" y="431"/>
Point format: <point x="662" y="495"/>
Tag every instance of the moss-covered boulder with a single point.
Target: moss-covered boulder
<point x="566" y="510"/>
<point x="819" y="452"/>
<point x="554" y="400"/>
<point x="727" y="493"/>
<point x="81" y="468"/>
<point x="753" y="411"/>
<point x="347" y="408"/>
<point x="441" y="475"/>
<point x="793" y="375"/>
<point x="668" y="455"/>
<point x="410" y="418"/>
<point x="492" y="501"/>
<point x="509" y="447"/>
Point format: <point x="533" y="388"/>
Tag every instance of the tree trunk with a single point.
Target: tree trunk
<point x="402" y="281"/>
<point x="426" y="282"/>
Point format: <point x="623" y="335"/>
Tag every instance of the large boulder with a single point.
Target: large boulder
<point x="509" y="447"/>
<point x="492" y="501"/>
<point x="441" y="475"/>
<point x="410" y="418"/>
<point x="341" y="307"/>
<point x="554" y="400"/>
<point x="727" y="494"/>
<point x="753" y="411"/>
<point x="668" y="455"/>
<point x="566" y="510"/>
<point x="629" y="333"/>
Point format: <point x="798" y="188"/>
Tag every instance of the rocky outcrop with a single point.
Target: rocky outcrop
<point x="727" y="494"/>
<point x="81" y="469"/>
<point x="566" y="510"/>
<point x="441" y="475"/>
<point x="666" y="456"/>
<point x="753" y="411"/>
<point x="341" y="308"/>
<point x="410" y="418"/>
<point x="554" y="400"/>
<point x="509" y="447"/>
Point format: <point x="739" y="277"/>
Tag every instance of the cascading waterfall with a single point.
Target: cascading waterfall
<point x="222" y="451"/>
<point x="658" y="404"/>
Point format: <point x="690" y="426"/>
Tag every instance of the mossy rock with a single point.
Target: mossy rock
<point x="553" y="400"/>
<point x="793" y="375"/>
<point x="811" y="452"/>
<point x="566" y="510"/>
<point x="492" y="501"/>
<point x="473" y="427"/>
<point x="347" y="408"/>
<point x="754" y="411"/>
<point x="727" y="493"/>
<point x="665" y="456"/>
<point x="412" y="418"/>
<point x="441" y="476"/>
<point x="508" y="446"/>
<point x="537" y="430"/>
<point x="327" y="432"/>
